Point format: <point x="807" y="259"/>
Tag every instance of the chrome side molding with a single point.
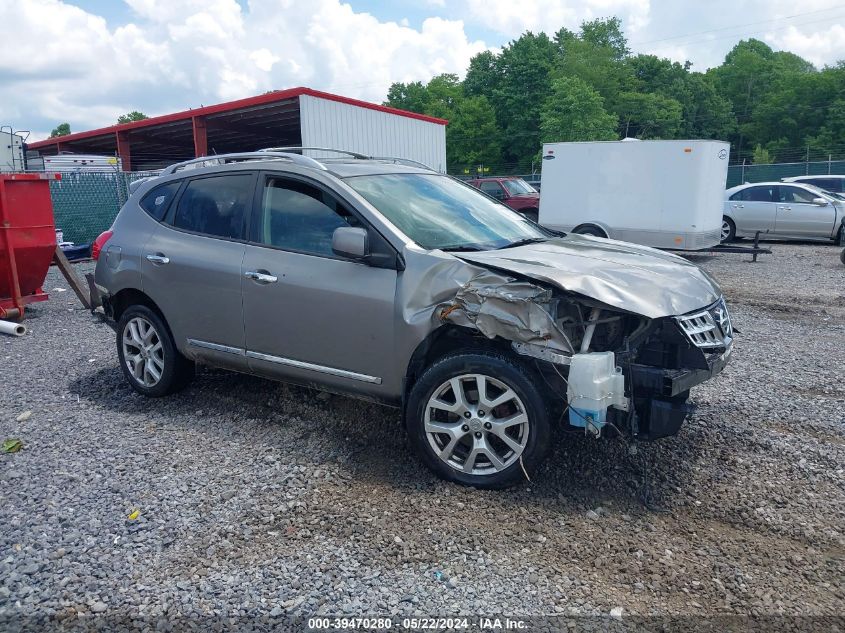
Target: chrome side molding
<point x="217" y="347"/>
<point x="333" y="371"/>
<point x="289" y="362"/>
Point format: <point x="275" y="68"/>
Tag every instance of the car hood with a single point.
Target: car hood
<point x="634" y="278"/>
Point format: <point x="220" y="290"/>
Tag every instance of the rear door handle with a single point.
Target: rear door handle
<point x="739" y="206"/>
<point x="785" y="208"/>
<point x="261" y="277"/>
<point x="158" y="258"/>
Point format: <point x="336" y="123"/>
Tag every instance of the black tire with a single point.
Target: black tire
<point x="177" y="370"/>
<point x="842" y="256"/>
<point x="532" y="214"/>
<point x="840" y="237"/>
<point x="512" y="375"/>
<point x="728" y="232"/>
<point x="590" y="229"/>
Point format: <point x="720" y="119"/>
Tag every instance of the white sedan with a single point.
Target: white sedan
<point x="783" y="211"/>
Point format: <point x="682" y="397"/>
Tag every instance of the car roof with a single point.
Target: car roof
<point x="811" y="176"/>
<point x="752" y="184"/>
<point x="802" y="185"/>
<point x="339" y="167"/>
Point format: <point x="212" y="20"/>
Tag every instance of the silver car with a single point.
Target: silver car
<point x="783" y="210"/>
<point x="832" y="183"/>
<point x="394" y="283"/>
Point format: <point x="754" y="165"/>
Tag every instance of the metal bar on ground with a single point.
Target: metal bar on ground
<point x="72" y="278"/>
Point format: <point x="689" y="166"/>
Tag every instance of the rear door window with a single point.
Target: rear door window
<point x="216" y="205"/>
<point x="157" y="201"/>
<point x="758" y="194"/>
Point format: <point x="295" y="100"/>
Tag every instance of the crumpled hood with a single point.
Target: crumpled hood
<point x="634" y="278"/>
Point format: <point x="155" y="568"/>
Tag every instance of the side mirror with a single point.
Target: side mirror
<point x="820" y="202"/>
<point x="351" y="241"/>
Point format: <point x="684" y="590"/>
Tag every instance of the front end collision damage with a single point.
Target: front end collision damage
<point x="653" y="362"/>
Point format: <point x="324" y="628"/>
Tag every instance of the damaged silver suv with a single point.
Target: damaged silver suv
<point x="385" y="280"/>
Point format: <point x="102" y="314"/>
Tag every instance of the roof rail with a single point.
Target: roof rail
<point x="355" y="155"/>
<point x="222" y="159"/>
<point x="403" y="161"/>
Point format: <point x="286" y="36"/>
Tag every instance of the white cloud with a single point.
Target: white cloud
<point x="819" y="47"/>
<point x="61" y="63"/>
<point x="513" y="18"/>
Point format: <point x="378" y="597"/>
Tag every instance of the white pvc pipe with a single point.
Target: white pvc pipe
<point x="13" y="329"/>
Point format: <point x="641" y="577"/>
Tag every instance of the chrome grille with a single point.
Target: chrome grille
<point x="708" y="328"/>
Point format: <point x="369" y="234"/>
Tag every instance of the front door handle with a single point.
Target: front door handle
<point x="158" y="258"/>
<point x="785" y="208"/>
<point x="261" y="277"/>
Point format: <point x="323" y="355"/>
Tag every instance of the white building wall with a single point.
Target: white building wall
<point x="338" y="125"/>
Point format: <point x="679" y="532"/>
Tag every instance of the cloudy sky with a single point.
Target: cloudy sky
<point x="87" y="61"/>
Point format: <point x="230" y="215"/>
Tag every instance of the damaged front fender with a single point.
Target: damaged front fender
<point x="499" y="306"/>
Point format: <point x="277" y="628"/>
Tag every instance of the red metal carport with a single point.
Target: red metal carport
<point x="271" y="119"/>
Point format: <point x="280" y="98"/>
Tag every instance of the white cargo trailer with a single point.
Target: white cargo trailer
<point x="667" y="194"/>
<point x="68" y="162"/>
<point x="11" y="150"/>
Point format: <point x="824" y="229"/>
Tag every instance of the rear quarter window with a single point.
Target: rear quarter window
<point x="157" y="201"/>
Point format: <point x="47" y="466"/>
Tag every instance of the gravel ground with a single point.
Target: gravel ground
<point x="260" y="500"/>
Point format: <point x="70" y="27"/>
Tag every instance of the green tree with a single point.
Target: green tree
<point x="525" y="66"/>
<point x="482" y="76"/>
<point x="62" y="129"/>
<point x="472" y="136"/>
<point x="606" y="34"/>
<point x="444" y="92"/>
<point x="412" y="96"/>
<point x="648" y="115"/>
<point x="574" y="111"/>
<point x="761" y="156"/>
<point x="132" y="116"/>
<point x="706" y="113"/>
<point x="593" y="55"/>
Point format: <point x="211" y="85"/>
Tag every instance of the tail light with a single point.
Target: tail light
<point x="97" y="246"/>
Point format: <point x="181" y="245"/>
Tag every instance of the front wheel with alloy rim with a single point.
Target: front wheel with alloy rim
<point x="148" y="357"/>
<point x="477" y="419"/>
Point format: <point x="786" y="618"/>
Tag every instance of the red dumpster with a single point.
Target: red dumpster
<point x="27" y="240"/>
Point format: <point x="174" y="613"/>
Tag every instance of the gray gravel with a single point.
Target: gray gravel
<point x="261" y="500"/>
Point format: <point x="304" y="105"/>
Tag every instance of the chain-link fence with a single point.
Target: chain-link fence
<point x="86" y="203"/>
<point x="738" y="174"/>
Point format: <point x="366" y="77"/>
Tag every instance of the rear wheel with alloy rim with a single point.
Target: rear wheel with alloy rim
<point x="148" y="357"/>
<point x="728" y="233"/>
<point x="478" y="420"/>
<point x="143" y="351"/>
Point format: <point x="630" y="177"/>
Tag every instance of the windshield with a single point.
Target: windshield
<point x="436" y="211"/>
<point x="824" y="192"/>
<point x="518" y="187"/>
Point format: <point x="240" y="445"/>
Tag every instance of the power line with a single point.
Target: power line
<point x="738" y="26"/>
